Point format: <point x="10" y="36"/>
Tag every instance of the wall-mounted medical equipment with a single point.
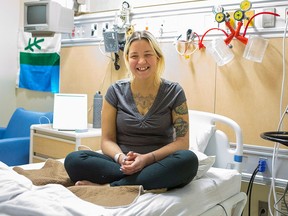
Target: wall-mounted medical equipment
<point x="255" y="45"/>
<point x="187" y="46"/>
<point x="255" y="48"/>
<point x="45" y="18"/>
<point x="76" y="6"/>
<point x="221" y="49"/>
<point x="115" y="38"/>
<point x="221" y="53"/>
<point x="111" y="41"/>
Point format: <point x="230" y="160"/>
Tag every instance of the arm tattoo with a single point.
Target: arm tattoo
<point x="181" y="110"/>
<point x="181" y="127"/>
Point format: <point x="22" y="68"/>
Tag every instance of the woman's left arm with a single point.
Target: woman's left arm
<point x="181" y="124"/>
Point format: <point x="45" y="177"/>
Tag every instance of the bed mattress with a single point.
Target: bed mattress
<point x="19" y="195"/>
<point x="200" y="195"/>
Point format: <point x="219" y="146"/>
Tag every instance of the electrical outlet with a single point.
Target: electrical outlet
<point x="262" y="164"/>
<point x="262" y="208"/>
<point x="94" y="29"/>
<point x="268" y="21"/>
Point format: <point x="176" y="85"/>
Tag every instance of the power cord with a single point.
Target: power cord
<point x="249" y="189"/>
<point x="103" y="53"/>
<point x="273" y="163"/>
<point x="45" y="117"/>
<point x="276" y="145"/>
<point x="116" y="62"/>
<point x="284" y="197"/>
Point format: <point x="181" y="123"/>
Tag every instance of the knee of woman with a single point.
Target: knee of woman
<point x="70" y="159"/>
<point x="190" y="158"/>
<point x="194" y="158"/>
<point x="189" y="155"/>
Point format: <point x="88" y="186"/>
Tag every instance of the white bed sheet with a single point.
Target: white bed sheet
<point x="19" y="195"/>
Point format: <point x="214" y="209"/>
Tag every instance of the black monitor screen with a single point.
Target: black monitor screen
<point x="36" y="14"/>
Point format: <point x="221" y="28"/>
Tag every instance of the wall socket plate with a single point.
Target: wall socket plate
<point x="263" y="208"/>
<point x="268" y="21"/>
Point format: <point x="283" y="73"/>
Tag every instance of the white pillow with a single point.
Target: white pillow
<point x="205" y="162"/>
<point x="199" y="136"/>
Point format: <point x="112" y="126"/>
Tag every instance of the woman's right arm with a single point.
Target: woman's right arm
<point x="108" y="140"/>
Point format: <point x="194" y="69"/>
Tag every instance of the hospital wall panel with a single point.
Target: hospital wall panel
<point x="84" y="69"/>
<point x="249" y="92"/>
<point x="243" y="90"/>
<point x="196" y="74"/>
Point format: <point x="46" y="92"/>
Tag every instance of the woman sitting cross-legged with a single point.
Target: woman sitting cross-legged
<point x="145" y="128"/>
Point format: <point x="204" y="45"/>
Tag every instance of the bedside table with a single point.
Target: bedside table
<point x="46" y="142"/>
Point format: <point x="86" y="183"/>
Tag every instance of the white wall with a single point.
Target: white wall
<point x="9" y="16"/>
<point x="106" y="5"/>
<point x="10" y="96"/>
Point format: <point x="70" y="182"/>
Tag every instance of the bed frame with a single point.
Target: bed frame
<point x="228" y="156"/>
<point x="219" y="144"/>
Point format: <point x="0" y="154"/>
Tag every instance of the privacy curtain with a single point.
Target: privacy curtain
<point x="39" y="62"/>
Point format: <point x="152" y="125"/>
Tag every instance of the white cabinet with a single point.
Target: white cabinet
<point x="46" y="142"/>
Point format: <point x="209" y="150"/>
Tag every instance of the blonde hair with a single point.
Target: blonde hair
<point x="146" y="35"/>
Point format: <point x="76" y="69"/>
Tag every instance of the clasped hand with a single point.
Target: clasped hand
<point x="132" y="163"/>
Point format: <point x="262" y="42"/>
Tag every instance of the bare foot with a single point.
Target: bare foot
<point x="83" y="147"/>
<point x="85" y="182"/>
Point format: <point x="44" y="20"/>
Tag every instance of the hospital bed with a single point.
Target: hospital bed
<point x="214" y="191"/>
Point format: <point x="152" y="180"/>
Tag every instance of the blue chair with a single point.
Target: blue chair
<point x="15" y="138"/>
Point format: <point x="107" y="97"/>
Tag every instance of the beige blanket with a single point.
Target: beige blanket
<point x="53" y="172"/>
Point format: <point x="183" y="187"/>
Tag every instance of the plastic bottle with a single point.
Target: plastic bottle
<point x="97" y="108"/>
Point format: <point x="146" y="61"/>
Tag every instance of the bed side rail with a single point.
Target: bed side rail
<point x="219" y="144"/>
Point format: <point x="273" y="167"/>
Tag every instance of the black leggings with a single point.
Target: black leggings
<point x="176" y="170"/>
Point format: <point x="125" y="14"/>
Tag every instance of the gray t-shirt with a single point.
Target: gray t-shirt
<point x="143" y="134"/>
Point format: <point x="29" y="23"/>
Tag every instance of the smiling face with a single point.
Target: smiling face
<point x="142" y="60"/>
<point x="143" y="57"/>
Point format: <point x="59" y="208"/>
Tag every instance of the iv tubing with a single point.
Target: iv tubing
<point x="273" y="163"/>
<point x="197" y="36"/>
<point x="201" y="44"/>
<point x="276" y="145"/>
<point x="284" y="65"/>
<point x="199" y="41"/>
